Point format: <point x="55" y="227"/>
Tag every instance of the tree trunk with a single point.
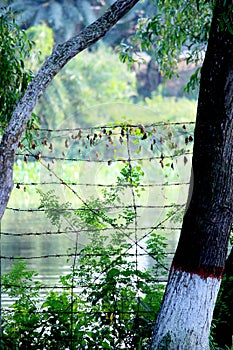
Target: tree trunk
<point x="61" y="55"/>
<point x="184" y="320"/>
<point x="187" y="309"/>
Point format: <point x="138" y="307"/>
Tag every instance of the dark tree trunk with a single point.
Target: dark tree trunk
<point x="207" y="223"/>
<point x="197" y="268"/>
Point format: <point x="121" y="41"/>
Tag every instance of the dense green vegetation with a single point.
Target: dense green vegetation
<point x="106" y="301"/>
<point x="14" y="50"/>
<point x="96" y="88"/>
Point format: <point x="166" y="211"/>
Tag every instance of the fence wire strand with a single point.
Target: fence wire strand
<point x="136" y="233"/>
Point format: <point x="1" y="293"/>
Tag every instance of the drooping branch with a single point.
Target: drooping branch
<point x="61" y="55"/>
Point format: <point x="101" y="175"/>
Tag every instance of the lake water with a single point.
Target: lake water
<point x="27" y="233"/>
<point x="30" y="234"/>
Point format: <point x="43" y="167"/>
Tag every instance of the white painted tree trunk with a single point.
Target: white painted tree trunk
<point x="186" y="313"/>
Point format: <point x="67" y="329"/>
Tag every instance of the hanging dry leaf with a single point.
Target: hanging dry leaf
<point x="144" y="137"/>
<point x="190" y="138"/>
<point x="20" y="145"/>
<point x="161" y="139"/>
<point x="45" y="142"/>
<point x="37" y="156"/>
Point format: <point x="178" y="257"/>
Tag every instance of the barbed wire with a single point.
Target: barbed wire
<point x="97" y="160"/>
<point x="32" y="210"/>
<point x="84" y="230"/>
<point x="162" y="184"/>
<point x="71" y="255"/>
<point x="114" y="126"/>
<point x="136" y="234"/>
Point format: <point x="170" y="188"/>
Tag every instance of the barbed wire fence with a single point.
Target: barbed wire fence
<point x="78" y="164"/>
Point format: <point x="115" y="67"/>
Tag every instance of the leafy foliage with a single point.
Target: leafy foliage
<point x="106" y="301"/>
<point x="178" y="30"/>
<point x="14" y="78"/>
<point x="21" y="326"/>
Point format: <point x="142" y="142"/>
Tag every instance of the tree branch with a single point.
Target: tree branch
<point x="61" y="55"/>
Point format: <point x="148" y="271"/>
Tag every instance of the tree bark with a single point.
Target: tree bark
<point x="184" y="320"/>
<point x="61" y="54"/>
<point x="198" y="265"/>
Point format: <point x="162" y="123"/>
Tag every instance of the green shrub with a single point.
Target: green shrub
<point x="106" y="301"/>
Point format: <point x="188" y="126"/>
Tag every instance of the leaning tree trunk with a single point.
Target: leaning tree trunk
<point x="61" y="55"/>
<point x="186" y="312"/>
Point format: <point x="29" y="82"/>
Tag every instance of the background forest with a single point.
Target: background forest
<point x="97" y="76"/>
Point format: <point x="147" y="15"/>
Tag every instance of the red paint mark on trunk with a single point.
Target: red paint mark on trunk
<point x="203" y="271"/>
